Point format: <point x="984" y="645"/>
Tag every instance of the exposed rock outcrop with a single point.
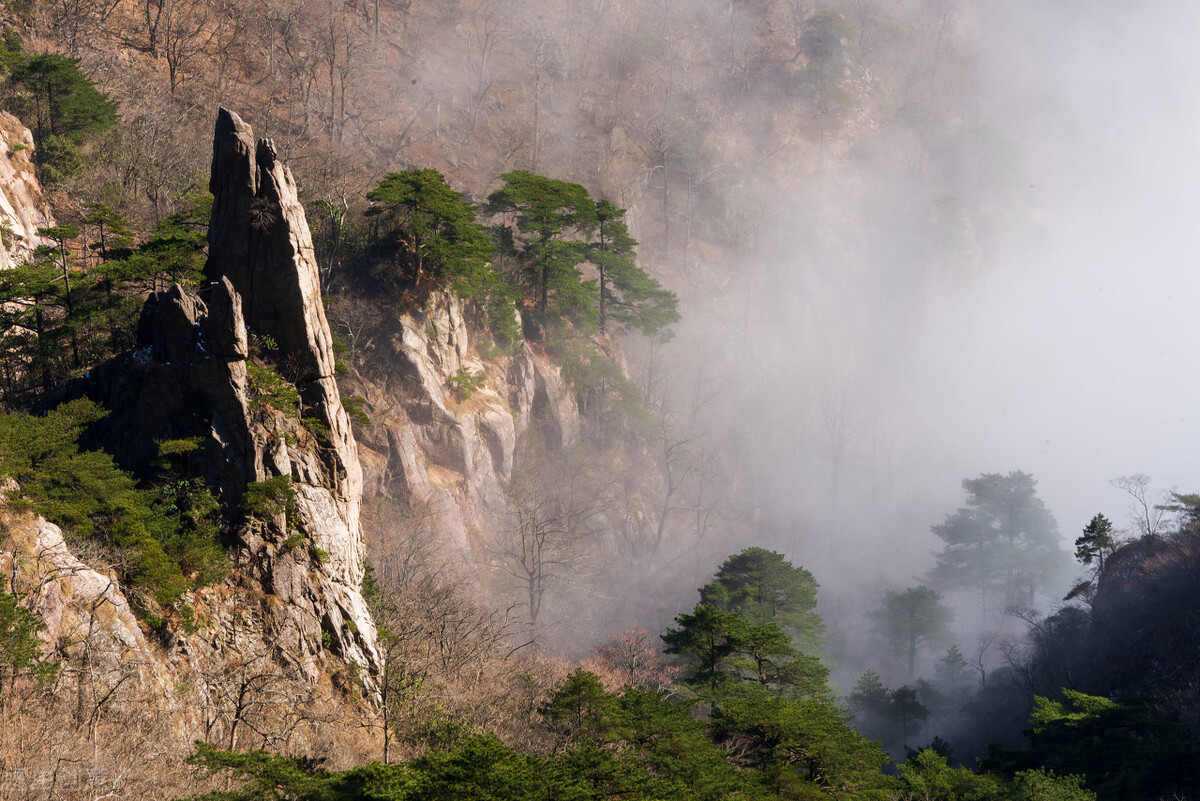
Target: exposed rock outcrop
<point x="23" y="207"/>
<point x="192" y="377"/>
<point x="258" y="238"/>
<point x="82" y="609"/>
<point x="452" y="452"/>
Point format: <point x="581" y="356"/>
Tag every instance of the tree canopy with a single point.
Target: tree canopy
<point x="763" y="587"/>
<point x="434" y="227"/>
<point x="1002" y="544"/>
<point x="627" y="294"/>
<point x="1125" y="748"/>
<point x="553" y="219"/>
<point x="755" y="623"/>
<point x="62" y="107"/>
<point x="910" y="620"/>
<point x="166" y="534"/>
<point x="1096" y="542"/>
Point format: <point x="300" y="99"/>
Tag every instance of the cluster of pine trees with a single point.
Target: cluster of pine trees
<point x="751" y="716"/>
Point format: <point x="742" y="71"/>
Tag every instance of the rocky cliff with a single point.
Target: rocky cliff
<point x="245" y="368"/>
<point x="83" y="609"/>
<point x="23" y="207"/>
<point x="446" y="449"/>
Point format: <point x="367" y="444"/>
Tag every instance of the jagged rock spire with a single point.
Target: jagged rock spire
<point x="259" y="239"/>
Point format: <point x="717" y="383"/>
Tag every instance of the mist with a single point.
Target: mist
<point x="913" y="242"/>
<point x="860" y="367"/>
<point x="1063" y="348"/>
<point x="1072" y="361"/>
<point x="978" y="263"/>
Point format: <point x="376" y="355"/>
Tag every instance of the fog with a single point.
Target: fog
<point x="914" y="241"/>
<point x="863" y="371"/>
<point x="1074" y="362"/>
<point x="980" y="261"/>
<point x="1064" y="349"/>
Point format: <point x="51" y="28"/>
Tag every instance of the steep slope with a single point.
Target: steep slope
<point x="449" y="452"/>
<point x="293" y="597"/>
<point x="191" y="377"/>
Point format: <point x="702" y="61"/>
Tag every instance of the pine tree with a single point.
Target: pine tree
<point x="434" y="227"/>
<point x="553" y="221"/>
<point x="764" y="587"/>
<point x="628" y="295"/>
<point x="1096" y="542"/>
<point x="1002" y="544"/>
<point x="911" y="620"/>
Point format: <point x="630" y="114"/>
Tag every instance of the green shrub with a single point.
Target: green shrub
<point x="58" y="160"/>
<point x="20" y="645"/>
<point x="340" y="348"/>
<point x="466" y="383"/>
<point x="172" y="451"/>
<point x="318" y="427"/>
<point x="167" y="536"/>
<point x="268" y="389"/>
<point x="269" y="499"/>
<point x="319" y="430"/>
<point x="187" y="619"/>
<point x="353" y="405"/>
<point x="193" y="539"/>
<point x="175" y="447"/>
<point x="596" y="379"/>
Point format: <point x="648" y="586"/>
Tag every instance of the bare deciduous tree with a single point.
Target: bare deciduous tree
<point x="541" y="544"/>
<point x="488" y="26"/>
<point x="1149" y="518"/>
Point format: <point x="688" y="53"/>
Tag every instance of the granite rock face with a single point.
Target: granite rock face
<point x="432" y="446"/>
<point x="259" y="240"/>
<point x="23" y="207"/>
<point x="210" y="366"/>
<point x="82" y="609"/>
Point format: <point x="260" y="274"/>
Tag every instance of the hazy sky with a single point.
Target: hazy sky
<point x="1081" y="355"/>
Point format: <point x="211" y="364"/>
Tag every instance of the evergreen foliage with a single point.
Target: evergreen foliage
<point x="910" y="620"/>
<point x="928" y="776"/>
<point x="270" y="498"/>
<point x="1003" y="544"/>
<point x="165" y="538"/>
<point x="435" y="229"/>
<point x="796" y="741"/>
<point x="870" y="702"/>
<point x="553" y="221"/>
<point x="62" y="106"/>
<point x="755" y="623"/>
<point x="601" y="386"/>
<point x="642" y="745"/>
<point x="556" y="228"/>
<point x="1122" y="748"/>
<point x="57" y="319"/>
<point x="1096" y="542"/>
<point x="436" y="235"/>
<point x="627" y="294"/>
<point x="20" y="645"/>
<point x="55" y="97"/>
<point x="113" y="232"/>
<point x="270" y="390"/>
<point x="634" y="745"/>
<point x="353" y="404"/>
<point x="764" y="587"/>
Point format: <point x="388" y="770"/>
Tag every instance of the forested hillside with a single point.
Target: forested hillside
<point x="504" y="400"/>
